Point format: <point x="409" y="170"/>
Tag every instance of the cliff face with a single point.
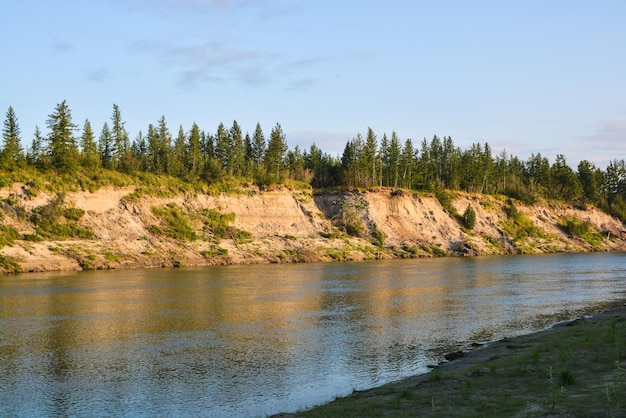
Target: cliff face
<point x="122" y="228"/>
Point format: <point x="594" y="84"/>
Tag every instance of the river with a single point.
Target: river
<point x="254" y="340"/>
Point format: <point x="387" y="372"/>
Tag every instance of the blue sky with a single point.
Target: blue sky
<point x="529" y="76"/>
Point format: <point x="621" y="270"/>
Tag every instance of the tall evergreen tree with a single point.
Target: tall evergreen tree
<point x="193" y="160"/>
<point x="258" y="145"/>
<point x="179" y="154"/>
<point x="164" y="146"/>
<point x="590" y="178"/>
<point x="37" y="154"/>
<point x="407" y="164"/>
<point x="140" y="152"/>
<point x="62" y="144"/>
<point x="275" y="153"/>
<point x="369" y="157"/>
<point x="223" y="147"/>
<point x="90" y="157"/>
<point x="154" y="162"/>
<point x="12" y="154"/>
<point x="238" y="152"/>
<point x="120" y="142"/>
<point x="395" y="152"/>
<point x="105" y="147"/>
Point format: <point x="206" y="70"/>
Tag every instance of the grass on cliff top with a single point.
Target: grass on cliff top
<point x="578" y="369"/>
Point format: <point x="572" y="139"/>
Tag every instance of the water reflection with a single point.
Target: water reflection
<point x="255" y="340"/>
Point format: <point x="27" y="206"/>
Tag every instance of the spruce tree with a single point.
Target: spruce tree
<point x="223" y="148"/>
<point x="37" y="154"/>
<point x="258" y="145"/>
<point x="177" y="162"/>
<point x="12" y="155"/>
<point x="120" y="142"/>
<point x="275" y="153"/>
<point x="105" y="147"/>
<point x="193" y="160"/>
<point x="238" y="150"/>
<point x="89" y="148"/>
<point x="165" y="146"/>
<point x="62" y="144"/>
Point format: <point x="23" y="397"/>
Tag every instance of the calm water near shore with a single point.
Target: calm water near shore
<point x="256" y="340"/>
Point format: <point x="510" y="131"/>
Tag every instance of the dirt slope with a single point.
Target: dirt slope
<point x="130" y="230"/>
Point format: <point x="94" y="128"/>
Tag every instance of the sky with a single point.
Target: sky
<point x="527" y="77"/>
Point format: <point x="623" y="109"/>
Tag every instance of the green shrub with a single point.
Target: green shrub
<point x="174" y="224"/>
<point x="7" y="235"/>
<point x="9" y="265"/>
<point x="73" y="214"/>
<point x="445" y="199"/>
<point x="216" y="223"/>
<point x="469" y="217"/>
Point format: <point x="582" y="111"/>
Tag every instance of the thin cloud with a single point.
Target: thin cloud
<point x="607" y="143"/>
<point x="209" y="62"/>
<point x="99" y="75"/>
<point x="302" y="84"/>
<point x="59" y="46"/>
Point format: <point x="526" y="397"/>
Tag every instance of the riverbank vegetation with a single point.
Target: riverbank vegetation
<point x="575" y="369"/>
<point x="79" y="157"/>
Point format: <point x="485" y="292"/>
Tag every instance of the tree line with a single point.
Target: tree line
<point x="195" y="154"/>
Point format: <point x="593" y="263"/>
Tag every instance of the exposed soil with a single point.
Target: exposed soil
<point x="290" y="226"/>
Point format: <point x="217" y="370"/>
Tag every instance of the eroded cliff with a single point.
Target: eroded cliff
<point x="123" y="228"/>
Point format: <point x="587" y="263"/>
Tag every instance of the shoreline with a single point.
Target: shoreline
<point x="575" y="367"/>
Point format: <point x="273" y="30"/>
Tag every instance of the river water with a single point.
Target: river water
<point x="255" y="340"/>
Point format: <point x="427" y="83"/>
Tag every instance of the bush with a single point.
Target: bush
<point x="7" y="235"/>
<point x="73" y="214"/>
<point x="469" y="217"/>
<point x="174" y="224"/>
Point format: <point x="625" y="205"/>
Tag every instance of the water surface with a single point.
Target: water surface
<point x="256" y="340"/>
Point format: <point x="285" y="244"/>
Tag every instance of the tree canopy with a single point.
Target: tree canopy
<point x="196" y="154"/>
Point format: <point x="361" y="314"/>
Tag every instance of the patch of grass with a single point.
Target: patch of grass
<point x="73" y="214"/>
<point x="49" y="221"/>
<point x="174" y="223"/>
<point x="8" y="235"/>
<point x="217" y="252"/>
<point x="518" y="226"/>
<point x="581" y="229"/>
<point x="215" y="223"/>
<point x="9" y="265"/>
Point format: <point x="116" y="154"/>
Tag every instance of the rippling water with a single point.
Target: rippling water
<point x="255" y="340"/>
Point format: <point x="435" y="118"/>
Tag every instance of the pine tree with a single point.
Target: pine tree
<point x="223" y="148"/>
<point x="140" y="152"/>
<point x="12" y="155"/>
<point x="369" y="158"/>
<point x="164" y="146"/>
<point x="37" y="155"/>
<point x="258" y="145"/>
<point x="177" y="162"/>
<point x="90" y="157"/>
<point x="120" y="141"/>
<point x="407" y="164"/>
<point x="153" y="160"/>
<point x="395" y="152"/>
<point x="275" y="153"/>
<point x="62" y="144"/>
<point x="193" y="160"/>
<point x="238" y="153"/>
<point x="105" y="147"/>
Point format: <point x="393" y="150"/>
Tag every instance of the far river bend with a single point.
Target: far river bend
<point x="255" y="340"/>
